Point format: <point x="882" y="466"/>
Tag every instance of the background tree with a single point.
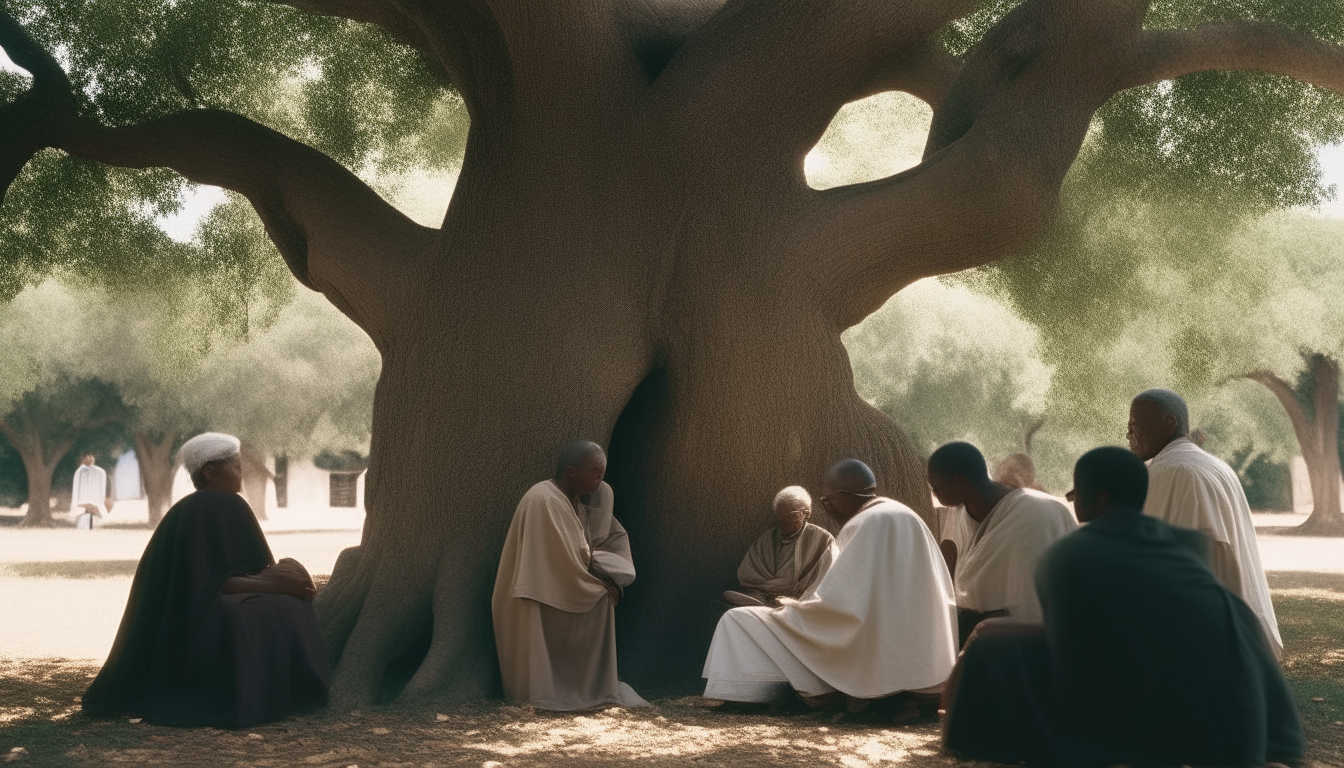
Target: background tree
<point x="631" y="252"/>
<point x="48" y="401"/>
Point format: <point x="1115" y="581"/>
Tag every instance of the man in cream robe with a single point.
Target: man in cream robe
<point x="565" y="561"/>
<point x="89" y="497"/>
<point x="996" y="573"/>
<point x="879" y="623"/>
<point x="787" y="560"/>
<point x="1190" y="488"/>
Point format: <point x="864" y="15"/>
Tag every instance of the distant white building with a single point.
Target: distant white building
<point x="126" y="478"/>
<point x="298" y="484"/>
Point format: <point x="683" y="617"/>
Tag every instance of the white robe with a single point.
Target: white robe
<point x="1190" y="488"/>
<point x="998" y="569"/>
<point x="956" y="526"/>
<point x="882" y="620"/>
<point x="90" y="487"/>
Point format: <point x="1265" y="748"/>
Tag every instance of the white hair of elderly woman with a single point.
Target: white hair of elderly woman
<point x="205" y="448"/>
<point x="794" y="493"/>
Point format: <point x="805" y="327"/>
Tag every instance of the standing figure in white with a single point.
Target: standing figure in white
<point x="89" y="498"/>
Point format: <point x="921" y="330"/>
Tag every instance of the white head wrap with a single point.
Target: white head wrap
<point x="205" y="448"/>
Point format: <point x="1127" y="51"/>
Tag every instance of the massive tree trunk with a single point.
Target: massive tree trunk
<point x="1317" y="431"/>
<point x="39" y="462"/>
<point x="156" y="471"/>
<point x="632" y="255"/>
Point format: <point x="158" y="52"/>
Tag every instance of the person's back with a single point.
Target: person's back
<point x="1155" y="658"/>
<point x="1191" y="488"/>
<point x="1143" y="658"/>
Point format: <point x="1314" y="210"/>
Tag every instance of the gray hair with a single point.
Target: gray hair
<point x="795" y="493"/>
<point x="1170" y="404"/>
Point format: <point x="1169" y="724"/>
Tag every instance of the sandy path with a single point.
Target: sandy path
<point x="62" y="591"/>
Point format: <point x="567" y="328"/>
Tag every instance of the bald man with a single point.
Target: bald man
<point x="880" y="622"/>
<point x="1191" y="488"/>
<point x="995" y="574"/>
<point x="565" y="562"/>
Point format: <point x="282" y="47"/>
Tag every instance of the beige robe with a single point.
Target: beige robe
<point x="1191" y="488"/>
<point x="554" y="622"/>
<point x="883" y="620"/>
<point x="780" y="567"/>
<point x="998" y="569"/>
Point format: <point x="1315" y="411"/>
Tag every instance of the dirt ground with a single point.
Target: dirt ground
<point x="40" y="722"/>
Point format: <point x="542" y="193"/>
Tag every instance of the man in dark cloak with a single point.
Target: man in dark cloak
<point x="1144" y="657"/>
<point x="215" y="631"/>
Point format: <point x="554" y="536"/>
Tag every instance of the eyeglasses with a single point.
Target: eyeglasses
<point x="866" y="493"/>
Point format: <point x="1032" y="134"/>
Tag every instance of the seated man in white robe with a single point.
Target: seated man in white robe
<point x="788" y="560"/>
<point x="881" y="621"/>
<point x="996" y="574"/>
<point x="89" y="498"/>
<point x="565" y="562"/>
<point x="1190" y="488"/>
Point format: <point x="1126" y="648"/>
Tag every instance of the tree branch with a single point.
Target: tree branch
<point x="1004" y="138"/>
<point x="326" y="223"/>
<point x="767" y="76"/>
<point x="1297" y="415"/>
<point x="1259" y="46"/>
<point x="925" y="71"/>
<point x="462" y="36"/>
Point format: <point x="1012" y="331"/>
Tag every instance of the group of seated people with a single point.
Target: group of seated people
<point x="1145" y="636"/>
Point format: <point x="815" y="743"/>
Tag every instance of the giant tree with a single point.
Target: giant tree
<point x="631" y="253"/>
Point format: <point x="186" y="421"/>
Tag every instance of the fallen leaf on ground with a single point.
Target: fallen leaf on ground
<point x="381" y="731"/>
<point x="442" y="718"/>
<point x="1318" y="698"/>
<point x="255" y="736"/>
<point x="136" y="719"/>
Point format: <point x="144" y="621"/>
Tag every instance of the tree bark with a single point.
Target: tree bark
<point x="255" y="478"/>
<point x="156" y="471"/>
<point x="632" y="255"/>
<point x="1317" y="431"/>
<point x="39" y="462"/>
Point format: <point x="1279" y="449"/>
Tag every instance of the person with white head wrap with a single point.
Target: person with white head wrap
<point x="205" y="448"/>
<point x="215" y="632"/>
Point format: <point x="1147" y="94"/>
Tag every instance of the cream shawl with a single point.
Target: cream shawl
<point x="998" y="569"/>
<point x="1191" y="488"/>
<point x="787" y="567"/>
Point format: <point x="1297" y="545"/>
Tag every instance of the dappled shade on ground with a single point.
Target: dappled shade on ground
<point x="39" y="713"/>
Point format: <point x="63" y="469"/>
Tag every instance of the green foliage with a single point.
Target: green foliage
<point x="347" y="89"/>
<point x="341" y="461"/>
<point x="1158" y="214"/>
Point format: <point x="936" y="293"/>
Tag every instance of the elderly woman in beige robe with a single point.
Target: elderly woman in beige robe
<point x="788" y="560"/>
<point x="565" y="561"/>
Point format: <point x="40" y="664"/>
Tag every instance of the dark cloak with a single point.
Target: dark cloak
<point x="188" y="655"/>
<point x="1144" y="659"/>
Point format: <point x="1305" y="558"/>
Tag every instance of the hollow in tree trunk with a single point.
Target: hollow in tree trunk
<point x="632" y="255"/>
<point x="1316" y="425"/>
